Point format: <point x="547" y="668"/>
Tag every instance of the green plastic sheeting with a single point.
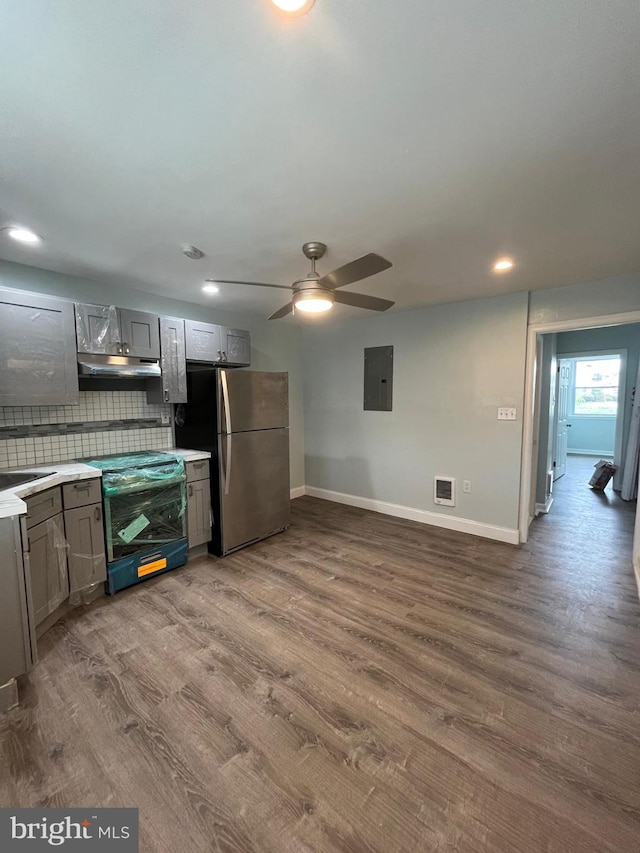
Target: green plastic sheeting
<point x="132" y="472"/>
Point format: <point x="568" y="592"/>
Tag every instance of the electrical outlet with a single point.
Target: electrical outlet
<point x="506" y="414"/>
<point x="165" y="418"/>
<point x="466" y="487"/>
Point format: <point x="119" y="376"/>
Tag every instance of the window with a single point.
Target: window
<point x="596" y="385"/>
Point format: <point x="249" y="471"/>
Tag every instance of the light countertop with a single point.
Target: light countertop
<point x="12" y="500"/>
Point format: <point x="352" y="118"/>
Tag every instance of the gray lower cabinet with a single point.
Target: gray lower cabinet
<point x="38" y="365"/>
<point x="199" y="513"/>
<point x="172" y="386"/>
<point x="48" y="565"/>
<point x="18" y="646"/>
<point x="87" y="560"/>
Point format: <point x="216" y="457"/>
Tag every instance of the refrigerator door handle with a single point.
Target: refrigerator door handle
<point x="225" y="397"/>
<point x="227" y="421"/>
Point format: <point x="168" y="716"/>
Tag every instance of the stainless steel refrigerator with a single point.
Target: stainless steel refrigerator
<point x="242" y="418"/>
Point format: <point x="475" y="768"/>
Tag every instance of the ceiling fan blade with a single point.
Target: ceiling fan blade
<point x="361" y="300"/>
<point x="286" y="309"/>
<point x="356" y="270"/>
<point x="252" y="283"/>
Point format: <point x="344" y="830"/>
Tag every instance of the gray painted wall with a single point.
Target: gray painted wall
<point x="592" y="435"/>
<point x="613" y="295"/>
<point x="453" y="366"/>
<point x="275" y="345"/>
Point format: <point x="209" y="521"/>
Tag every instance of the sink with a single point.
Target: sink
<point x="17" y="478"/>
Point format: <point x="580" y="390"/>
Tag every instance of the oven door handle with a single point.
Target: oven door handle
<point x="227" y="423"/>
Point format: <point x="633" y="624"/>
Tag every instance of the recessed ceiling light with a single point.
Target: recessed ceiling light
<point x="22" y="235"/>
<point x="210" y="287"/>
<point x="503" y="265"/>
<point x="295" y="6"/>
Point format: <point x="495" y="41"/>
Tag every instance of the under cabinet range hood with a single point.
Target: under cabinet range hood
<point x="110" y="366"/>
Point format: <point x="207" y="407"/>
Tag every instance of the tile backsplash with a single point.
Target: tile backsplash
<point x="100" y="422"/>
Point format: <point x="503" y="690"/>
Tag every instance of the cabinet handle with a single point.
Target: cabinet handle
<point x="190" y="491"/>
<point x="98" y="514"/>
<point x="82" y="487"/>
<point x="127" y="349"/>
<point x="224" y="356"/>
<point x="119" y="350"/>
<point x="166" y="395"/>
<point x="219" y="355"/>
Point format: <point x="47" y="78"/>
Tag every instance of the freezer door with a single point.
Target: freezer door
<point x="254" y="486"/>
<point x="256" y="400"/>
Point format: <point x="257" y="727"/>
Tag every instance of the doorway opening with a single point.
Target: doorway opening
<point x="572" y="368"/>
<point x="589" y="421"/>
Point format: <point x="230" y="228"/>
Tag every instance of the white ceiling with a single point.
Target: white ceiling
<point x="438" y="133"/>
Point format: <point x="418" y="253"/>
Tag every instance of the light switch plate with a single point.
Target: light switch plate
<point x="506" y="414"/>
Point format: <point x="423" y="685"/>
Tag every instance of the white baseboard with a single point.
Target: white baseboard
<point x="450" y="522"/>
<point x="636" y="569"/>
<point x="298" y="492"/>
<point x="545" y="507"/>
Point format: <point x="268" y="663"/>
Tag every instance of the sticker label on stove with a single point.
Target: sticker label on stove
<point x="151" y="567"/>
<point x="129" y="533"/>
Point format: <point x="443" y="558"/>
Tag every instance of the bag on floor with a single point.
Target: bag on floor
<point x="603" y="473"/>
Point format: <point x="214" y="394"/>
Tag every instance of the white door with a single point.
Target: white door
<point x="562" y="416"/>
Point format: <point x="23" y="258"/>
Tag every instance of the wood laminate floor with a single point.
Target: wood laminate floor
<point x="358" y="683"/>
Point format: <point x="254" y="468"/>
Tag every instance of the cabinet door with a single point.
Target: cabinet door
<point x="17" y="648"/>
<point x="97" y="330"/>
<point x="48" y="565"/>
<point x="203" y="341"/>
<point x="139" y="333"/>
<point x="236" y="346"/>
<point x="173" y="360"/>
<point x="38" y="364"/>
<point x="199" y="512"/>
<point x="85" y="535"/>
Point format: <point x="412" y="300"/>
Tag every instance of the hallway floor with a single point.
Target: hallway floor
<point x="595" y="527"/>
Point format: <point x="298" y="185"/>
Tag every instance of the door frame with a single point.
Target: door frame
<point x="528" y="425"/>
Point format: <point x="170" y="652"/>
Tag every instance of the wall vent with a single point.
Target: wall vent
<point x="444" y="491"/>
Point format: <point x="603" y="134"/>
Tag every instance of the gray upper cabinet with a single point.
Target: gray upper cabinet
<point x="37" y="350"/>
<point x="203" y="341"/>
<point x="236" y="346"/>
<point x="97" y="329"/>
<point x="172" y="387"/>
<point x="106" y="330"/>
<point x="139" y="333"/>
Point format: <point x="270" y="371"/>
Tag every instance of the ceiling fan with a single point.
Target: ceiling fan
<point x="314" y="293"/>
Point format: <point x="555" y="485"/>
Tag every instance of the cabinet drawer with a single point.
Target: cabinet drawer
<point x="43" y="506"/>
<point x="197" y="470"/>
<point x="83" y="493"/>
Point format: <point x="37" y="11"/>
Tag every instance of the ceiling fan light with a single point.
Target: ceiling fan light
<point x="313" y="301"/>
<point x="295" y="7"/>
